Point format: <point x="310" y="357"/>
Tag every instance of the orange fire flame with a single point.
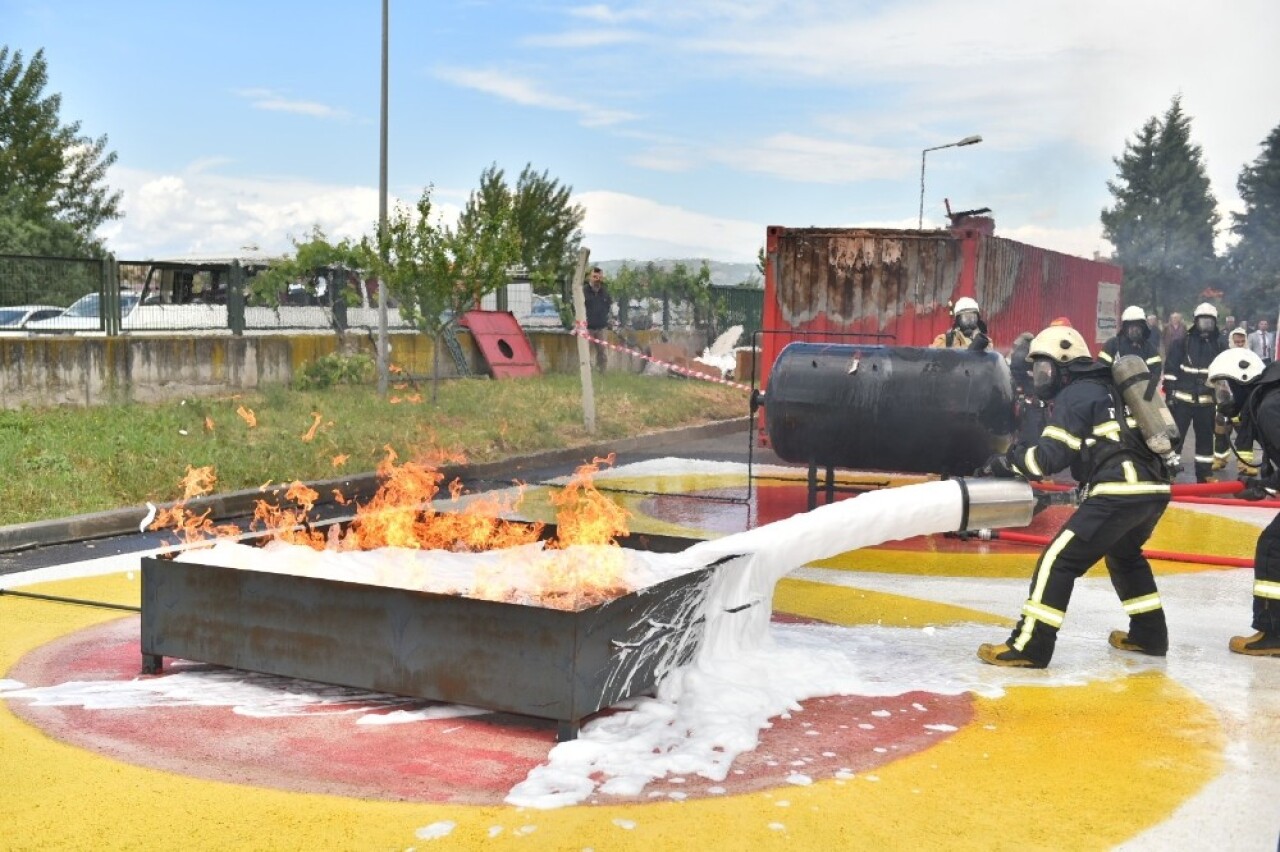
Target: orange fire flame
<point x="403" y="513"/>
<point x="247" y="415"/>
<point x="192" y="525"/>
<point x="315" y="427"/>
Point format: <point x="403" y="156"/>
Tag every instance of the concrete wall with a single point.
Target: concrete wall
<point x="42" y="371"/>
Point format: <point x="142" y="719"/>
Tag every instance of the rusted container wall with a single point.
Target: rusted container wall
<point x="869" y="285"/>
<point x="1024" y="288"/>
<point x="852" y="285"/>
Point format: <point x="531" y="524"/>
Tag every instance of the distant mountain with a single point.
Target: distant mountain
<point x="722" y="274"/>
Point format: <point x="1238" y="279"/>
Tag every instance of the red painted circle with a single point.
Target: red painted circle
<point x="467" y="760"/>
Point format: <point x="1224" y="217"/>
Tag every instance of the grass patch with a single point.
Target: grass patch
<point x="69" y="461"/>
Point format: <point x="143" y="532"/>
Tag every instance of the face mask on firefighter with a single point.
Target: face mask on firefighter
<point x="1046" y="381"/>
<point x="1134" y="332"/>
<point x="1206" y="325"/>
<point x="1229" y="396"/>
<point x="967" y="321"/>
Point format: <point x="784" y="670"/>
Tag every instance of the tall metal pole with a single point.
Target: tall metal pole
<point x="384" y="360"/>
<point x="920" y="221"/>
<point x="968" y="140"/>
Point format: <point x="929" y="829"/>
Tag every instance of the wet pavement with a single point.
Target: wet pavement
<point x="1102" y="750"/>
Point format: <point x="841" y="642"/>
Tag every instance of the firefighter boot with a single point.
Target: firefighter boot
<point x="1120" y="639"/>
<point x="1258" y="645"/>
<point x="1003" y="655"/>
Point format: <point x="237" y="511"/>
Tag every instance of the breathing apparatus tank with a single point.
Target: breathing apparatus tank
<point x="1154" y="419"/>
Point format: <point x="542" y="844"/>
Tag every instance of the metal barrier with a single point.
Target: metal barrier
<point x="36" y="289"/>
<point x="77" y="295"/>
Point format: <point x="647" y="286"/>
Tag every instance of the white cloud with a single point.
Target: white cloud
<point x="272" y="101"/>
<point x="618" y="225"/>
<point x="584" y="38"/>
<point x="527" y="93"/>
<point x="199" y="213"/>
<point x="810" y="160"/>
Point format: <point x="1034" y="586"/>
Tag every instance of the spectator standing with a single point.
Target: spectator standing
<point x="1173" y="332"/>
<point x="1157" y="336"/>
<point x="1262" y="342"/>
<point x="599" y="307"/>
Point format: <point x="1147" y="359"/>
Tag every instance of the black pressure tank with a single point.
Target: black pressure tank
<point x="897" y="408"/>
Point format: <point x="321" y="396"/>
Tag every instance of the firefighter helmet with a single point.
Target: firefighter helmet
<point x="1204" y="309"/>
<point x="1133" y="313"/>
<point x="1060" y="343"/>
<point x="1239" y="365"/>
<point x="964" y="303"/>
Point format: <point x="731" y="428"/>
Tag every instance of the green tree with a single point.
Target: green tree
<point x="313" y="259"/>
<point x="1163" y="221"/>
<point x="550" y="229"/>
<point x="1254" y="261"/>
<point x="437" y="273"/>
<point x="53" y="191"/>
<point x="487" y="241"/>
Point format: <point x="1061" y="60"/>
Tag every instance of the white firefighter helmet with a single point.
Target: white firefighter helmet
<point x="1133" y="313"/>
<point x="1204" y="309"/>
<point x="1061" y="343"/>
<point x="964" y="303"/>
<point x="1238" y="365"/>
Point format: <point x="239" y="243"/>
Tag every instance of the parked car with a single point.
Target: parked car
<point x="542" y="314"/>
<point x="17" y="316"/>
<point x="84" y="314"/>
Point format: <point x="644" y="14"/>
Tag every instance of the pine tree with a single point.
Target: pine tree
<point x="1162" y="224"/>
<point x="53" y="194"/>
<point x="1254" y="261"/>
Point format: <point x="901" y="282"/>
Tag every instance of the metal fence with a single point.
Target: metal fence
<point x="68" y="295"/>
<point x="742" y="306"/>
<point x="36" y="289"/>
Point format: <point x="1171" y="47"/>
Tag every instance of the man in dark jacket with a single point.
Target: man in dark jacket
<point x="1245" y="387"/>
<point x="599" y="305"/>
<point x="1125" y="488"/>
<point x="1186" y="388"/>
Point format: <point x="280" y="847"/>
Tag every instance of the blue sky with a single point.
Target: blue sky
<point x="684" y="127"/>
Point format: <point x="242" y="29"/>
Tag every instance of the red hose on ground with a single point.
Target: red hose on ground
<point x="1167" y="555"/>
<point x="1231" y="501"/>
<point x="1183" y="492"/>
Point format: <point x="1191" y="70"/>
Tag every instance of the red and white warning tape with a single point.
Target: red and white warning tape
<point x="581" y="331"/>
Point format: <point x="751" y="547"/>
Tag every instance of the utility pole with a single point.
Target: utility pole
<point x="384" y="359"/>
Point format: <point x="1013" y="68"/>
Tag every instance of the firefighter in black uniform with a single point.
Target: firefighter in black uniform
<point x="1247" y="388"/>
<point x="1030" y="412"/>
<point x="1125" y="488"/>
<point x="1134" y="339"/>
<point x="1186" y="387"/>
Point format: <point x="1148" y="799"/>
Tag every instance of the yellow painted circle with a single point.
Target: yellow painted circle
<point x="956" y="794"/>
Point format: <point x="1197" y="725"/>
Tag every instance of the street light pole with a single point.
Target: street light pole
<point x="384" y="356"/>
<point x="968" y="140"/>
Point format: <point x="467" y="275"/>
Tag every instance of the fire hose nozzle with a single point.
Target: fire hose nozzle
<point x="996" y="502"/>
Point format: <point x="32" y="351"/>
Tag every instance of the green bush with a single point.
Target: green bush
<point x="335" y="369"/>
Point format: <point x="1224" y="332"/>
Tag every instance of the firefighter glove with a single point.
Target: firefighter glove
<point x="1247" y="470"/>
<point x="997" y="466"/>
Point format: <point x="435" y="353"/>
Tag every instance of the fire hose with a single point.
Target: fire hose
<point x="1197" y="493"/>
<point x="1166" y="555"/>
